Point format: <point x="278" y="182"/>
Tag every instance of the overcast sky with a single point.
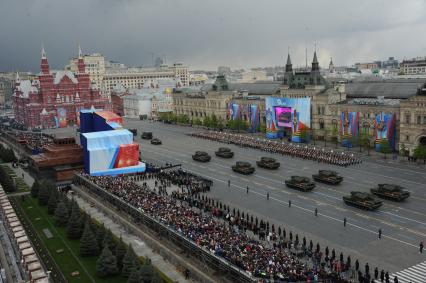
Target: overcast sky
<point x="210" y="33"/>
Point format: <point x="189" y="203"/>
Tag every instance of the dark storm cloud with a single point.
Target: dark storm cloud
<point x="206" y="33"/>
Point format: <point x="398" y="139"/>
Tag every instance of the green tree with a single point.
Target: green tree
<point x="43" y="194"/>
<point x="385" y="147"/>
<point x="146" y="271"/>
<point x="88" y="244"/>
<point x="109" y="240"/>
<point x="420" y="153"/>
<point x="134" y="274"/>
<point x="120" y="252"/>
<point x="61" y="214"/>
<point x="197" y="122"/>
<point x="156" y="278"/>
<point x="335" y="135"/>
<point x="106" y="264"/>
<point x="207" y="122"/>
<point x="6" y="180"/>
<point x="74" y="225"/>
<point x="128" y="261"/>
<point x="402" y="150"/>
<point x="35" y="188"/>
<point x="213" y="121"/>
<point x="100" y="235"/>
<point x="52" y="202"/>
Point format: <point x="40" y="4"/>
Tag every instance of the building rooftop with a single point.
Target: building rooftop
<point x="260" y="88"/>
<point x="391" y="89"/>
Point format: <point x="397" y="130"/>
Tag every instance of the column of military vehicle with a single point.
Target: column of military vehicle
<point x="243" y="167"/>
<point x="224" y="152"/>
<point x="300" y="183"/>
<point x="268" y="163"/>
<point x="201" y="156"/>
<point x="391" y="192"/>
<point x="362" y="200"/>
<point x="328" y="177"/>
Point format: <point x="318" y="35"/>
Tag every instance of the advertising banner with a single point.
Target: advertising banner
<point x="385" y="129"/>
<point x="282" y="112"/>
<point x="349" y="128"/>
<point x="61" y="118"/>
<point x="283" y="115"/>
<point x="234" y="111"/>
<point x="253" y="113"/>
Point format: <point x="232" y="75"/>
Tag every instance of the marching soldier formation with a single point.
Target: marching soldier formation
<point x="293" y="150"/>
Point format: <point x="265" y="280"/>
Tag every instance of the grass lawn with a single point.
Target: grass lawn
<point x="69" y="260"/>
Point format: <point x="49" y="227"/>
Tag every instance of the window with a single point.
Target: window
<point x="407" y="119"/>
<point x="424" y="119"/>
<point x="407" y="138"/>
<point x="419" y="119"/>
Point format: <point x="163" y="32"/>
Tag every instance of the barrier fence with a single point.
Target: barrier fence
<point x="204" y="256"/>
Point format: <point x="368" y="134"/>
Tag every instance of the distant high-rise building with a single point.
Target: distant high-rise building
<point x="391" y="63"/>
<point x="413" y="66"/>
<point x="158" y="62"/>
<point x="331" y="66"/>
<point x="95" y="67"/>
<point x="223" y="70"/>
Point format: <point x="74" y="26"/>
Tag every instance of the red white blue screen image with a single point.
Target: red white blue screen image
<point x="283" y="115"/>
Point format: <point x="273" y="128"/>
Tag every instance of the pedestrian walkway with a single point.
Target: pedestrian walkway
<point x="414" y="274"/>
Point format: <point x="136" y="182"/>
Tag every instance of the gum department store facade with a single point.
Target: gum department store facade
<point x="405" y="97"/>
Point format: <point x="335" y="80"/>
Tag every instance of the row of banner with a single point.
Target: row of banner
<point x="291" y="117"/>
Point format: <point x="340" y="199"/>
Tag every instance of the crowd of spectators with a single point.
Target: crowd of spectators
<point x="265" y="252"/>
<point x="31" y="139"/>
<point x="294" y="150"/>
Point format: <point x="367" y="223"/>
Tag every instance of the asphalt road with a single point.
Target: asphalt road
<point x="403" y="224"/>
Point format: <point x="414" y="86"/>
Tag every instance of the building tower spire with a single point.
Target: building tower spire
<point x="43" y="53"/>
<point x="288" y="65"/>
<point x="44" y="65"/>
<point x="315" y="64"/>
<point x="288" y="75"/>
<point x="80" y="54"/>
<point x="80" y="64"/>
<point x="17" y="79"/>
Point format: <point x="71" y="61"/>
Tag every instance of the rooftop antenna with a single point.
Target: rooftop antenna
<point x="306" y="50"/>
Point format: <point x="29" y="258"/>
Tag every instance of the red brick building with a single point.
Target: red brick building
<point x="54" y="99"/>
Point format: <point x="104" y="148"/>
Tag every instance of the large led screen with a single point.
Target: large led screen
<point x="283" y="115"/>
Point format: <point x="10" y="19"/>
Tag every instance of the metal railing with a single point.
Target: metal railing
<point x="203" y="255"/>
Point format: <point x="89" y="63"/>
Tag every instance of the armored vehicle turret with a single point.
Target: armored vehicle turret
<point x="156" y="141"/>
<point x="201" y="156"/>
<point x="268" y="163"/>
<point x="328" y="177"/>
<point x="243" y="167"/>
<point x="224" y="152"/>
<point x="391" y="192"/>
<point x="146" y="135"/>
<point x="300" y="183"/>
<point x="362" y="200"/>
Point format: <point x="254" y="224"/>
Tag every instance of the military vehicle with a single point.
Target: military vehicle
<point x="146" y="135"/>
<point x="300" y="183"/>
<point x="156" y="141"/>
<point x="224" y="152"/>
<point x="243" y="167"/>
<point x="328" y="177"/>
<point x="391" y="192"/>
<point x="268" y="163"/>
<point x="201" y="156"/>
<point x="362" y="200"/>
